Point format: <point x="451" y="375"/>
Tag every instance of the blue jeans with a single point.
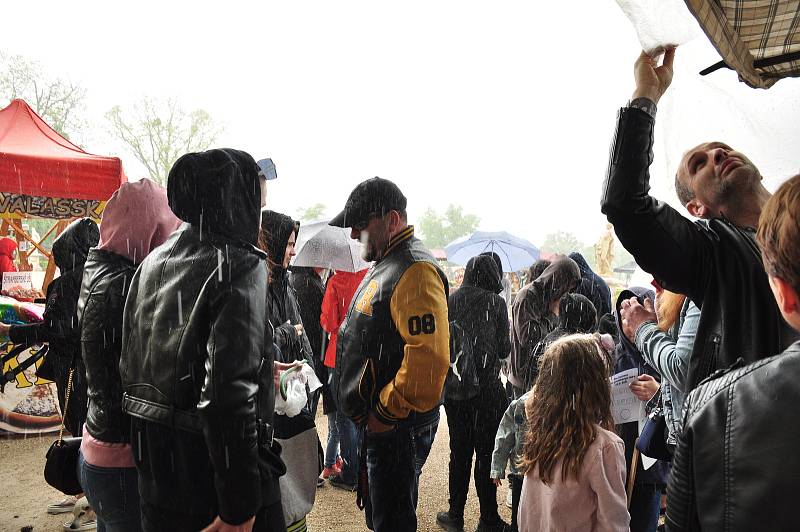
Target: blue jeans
<point x="113" y="494"/>
<point x="394" y="462"/>
<point x="332" y="446"/>
<point x="346" y="439"/>
<point x="348" y="447"/>
<point x="645" y="507"/>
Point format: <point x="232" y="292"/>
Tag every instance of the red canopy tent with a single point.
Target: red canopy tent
<point x="44" y="175"/>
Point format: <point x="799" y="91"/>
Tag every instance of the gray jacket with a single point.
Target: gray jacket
<point x="668" y="353"/>
<point x="510" y="437"/>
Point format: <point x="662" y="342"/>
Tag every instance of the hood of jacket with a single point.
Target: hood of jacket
<point x="219" y="191"/>
<point x="577" y="314"/>
<point x="626" y="348"/>
<point x="276" y="228"/>
<point x="136" y="220"/>
<point x="561" y="277"/>
<point x="592" y="285"/>
<point x="7" y="247"/>
<point x="581" y="262"/>
<point x="71" y="247"/>
<point x="482" y="272"/>
<point x="497" y="260"/>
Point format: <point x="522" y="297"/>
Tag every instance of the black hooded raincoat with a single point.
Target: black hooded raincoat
<point x="196" y="367"/>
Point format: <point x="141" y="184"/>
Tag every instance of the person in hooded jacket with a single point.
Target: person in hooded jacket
<point x="59" y="329"/>
<point x="107" y="470"/>
<point x="535" y="314"/>
<point x="481" y="313"/>
<point x="59" y="326"/>
<point x="646" y="500"/>
<point x="277" y="239"/>
<point x="536" y="269"/>
<point x="592" y="286"/>
<point x="341" y="469"/>
<point x="310" y="290"/>
<point x="8" y="250"/>
<point x="576" y="315"/>
<point x="297" y="435"/>
<point x="197" y="362"/>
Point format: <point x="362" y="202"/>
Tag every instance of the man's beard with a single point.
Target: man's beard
<point x="732" y="191"/>
<point x="366" y="251"/>
<point x="372" y="249"/>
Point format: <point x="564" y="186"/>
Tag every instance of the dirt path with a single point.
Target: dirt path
<point x="24" y="494"/>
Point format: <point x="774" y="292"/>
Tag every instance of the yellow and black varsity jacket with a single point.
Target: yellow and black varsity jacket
<point x="393" y="349"/>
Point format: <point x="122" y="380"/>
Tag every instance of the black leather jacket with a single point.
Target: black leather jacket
<point x="736" y="465"/>
<point x="715" y="263"/>
<point x="106" y="279"/>
<point x="197" y="360"/>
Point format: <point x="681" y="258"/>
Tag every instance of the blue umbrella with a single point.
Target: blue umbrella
<point x="515" y="253"/>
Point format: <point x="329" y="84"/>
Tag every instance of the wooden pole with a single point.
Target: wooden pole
<point x="632" y="474"/>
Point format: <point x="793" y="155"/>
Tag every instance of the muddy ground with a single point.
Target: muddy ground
<point x="24" y="495"/>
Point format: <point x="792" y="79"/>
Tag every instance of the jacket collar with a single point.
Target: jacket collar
<point x="405" y="234"/>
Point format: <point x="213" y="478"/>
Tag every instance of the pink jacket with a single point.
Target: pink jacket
<point x="596" y="501"/>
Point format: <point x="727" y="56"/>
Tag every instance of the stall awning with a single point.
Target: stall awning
<point x="759" y="39"/>
<point x="44" y="174"/>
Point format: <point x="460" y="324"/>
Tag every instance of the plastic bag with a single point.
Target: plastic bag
<point x="296" y="385"/>
<point x="660" y="23"/>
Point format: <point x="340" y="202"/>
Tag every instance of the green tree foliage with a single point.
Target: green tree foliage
<point x="58" y="101"/>
<point x="309" y="214"/>
<point x="564" y="243"/>
<point x="439" y="230"/>
<point x="621" y="255"/>
<point x="157" y="132"/>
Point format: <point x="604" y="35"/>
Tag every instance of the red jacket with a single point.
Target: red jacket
<point x="7" y="248"/>
<point x="338" y="295"/>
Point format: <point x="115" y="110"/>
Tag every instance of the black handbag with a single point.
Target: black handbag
<point x="61" y="464"/>
<point x="652" y="441"/>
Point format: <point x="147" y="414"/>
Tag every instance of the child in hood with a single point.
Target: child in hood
<point x="8" y="251"/>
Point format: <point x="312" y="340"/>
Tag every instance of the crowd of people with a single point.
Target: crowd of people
<point x="176" y="324"/>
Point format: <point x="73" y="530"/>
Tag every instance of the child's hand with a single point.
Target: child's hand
<point x="497" y="482"/>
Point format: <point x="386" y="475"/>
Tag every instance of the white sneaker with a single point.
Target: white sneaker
<point x="509" y="498"/>
<point x="63" y="506"/>
<point x="83" y="518"/>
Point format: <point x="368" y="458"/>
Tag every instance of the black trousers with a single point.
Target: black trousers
<point x="155" y="519"/>
<point x="473" y="426"/>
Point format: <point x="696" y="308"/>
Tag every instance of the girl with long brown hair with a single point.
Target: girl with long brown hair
<point x="574" y="464"/>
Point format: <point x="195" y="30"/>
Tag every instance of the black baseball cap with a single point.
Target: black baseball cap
<point x="370" y="198"/>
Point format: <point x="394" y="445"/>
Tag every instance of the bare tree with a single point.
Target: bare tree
<point x="58" y="101"/>
<point x="157" y="132"/>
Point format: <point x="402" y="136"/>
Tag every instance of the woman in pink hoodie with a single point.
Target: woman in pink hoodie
<point x="574" y="465"/>
<point x="136" y="220"/>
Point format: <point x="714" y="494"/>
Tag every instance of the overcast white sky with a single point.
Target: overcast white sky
<point x="506" y="108"/>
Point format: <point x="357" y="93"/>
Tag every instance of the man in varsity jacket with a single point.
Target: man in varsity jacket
<point x="392" y="352"/>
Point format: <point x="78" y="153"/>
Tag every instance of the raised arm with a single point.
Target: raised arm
<point x="664" y="243"/>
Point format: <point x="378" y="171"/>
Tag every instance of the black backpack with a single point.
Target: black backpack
<point x="462" y="377"/>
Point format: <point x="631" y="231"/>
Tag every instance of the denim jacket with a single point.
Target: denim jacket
<point x="668" y="353"/>
<point x="509" y="439"/>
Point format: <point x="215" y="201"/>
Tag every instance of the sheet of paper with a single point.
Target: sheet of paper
<point x="625" y="407"/>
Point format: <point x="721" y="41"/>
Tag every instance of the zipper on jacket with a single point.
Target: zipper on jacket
<point x="367" y="365"/>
